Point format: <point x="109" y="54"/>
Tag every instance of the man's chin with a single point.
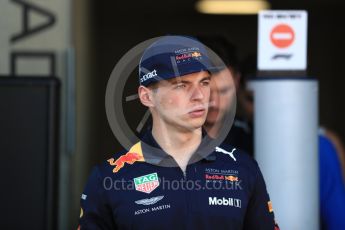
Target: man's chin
<point x="196" y="123"/>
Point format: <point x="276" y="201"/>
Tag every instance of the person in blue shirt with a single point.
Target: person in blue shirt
<point x="332" y="188"/>
<point x="176" y="177"/>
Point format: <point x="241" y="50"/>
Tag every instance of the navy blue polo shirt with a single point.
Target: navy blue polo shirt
<point x="145" y="189"/>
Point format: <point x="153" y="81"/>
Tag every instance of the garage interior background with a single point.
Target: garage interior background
<point x="114" y="27"/>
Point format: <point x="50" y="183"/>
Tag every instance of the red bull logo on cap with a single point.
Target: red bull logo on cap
<point x="133" y="155"/>
<point x="188" y="56"/>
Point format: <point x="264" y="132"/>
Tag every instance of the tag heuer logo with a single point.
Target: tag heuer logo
<point x="146" y="183"/>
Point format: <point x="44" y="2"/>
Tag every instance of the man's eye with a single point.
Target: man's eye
<point x="180" y="86"/>
<point x="205" y="83"/>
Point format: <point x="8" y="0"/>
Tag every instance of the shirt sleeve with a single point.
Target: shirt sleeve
<point x="95" y="212"/>
<point x="259" y="214"/>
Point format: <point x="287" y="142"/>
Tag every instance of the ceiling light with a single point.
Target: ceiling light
<point x="231" y="6"/>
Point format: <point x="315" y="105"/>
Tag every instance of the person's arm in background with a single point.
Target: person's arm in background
<point x="340" y="149"/>
<point x="332" y="188"/>
<point x="95" y="212"/>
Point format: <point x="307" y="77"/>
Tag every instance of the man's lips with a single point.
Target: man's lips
<point x="197" y="112"/>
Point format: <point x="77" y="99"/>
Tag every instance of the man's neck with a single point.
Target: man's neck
<point x="178" y="144"/>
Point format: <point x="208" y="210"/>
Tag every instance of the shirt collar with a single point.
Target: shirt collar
<point x="154" y="154"/>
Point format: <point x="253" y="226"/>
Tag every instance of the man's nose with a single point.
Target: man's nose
<point x="197" y="93"/>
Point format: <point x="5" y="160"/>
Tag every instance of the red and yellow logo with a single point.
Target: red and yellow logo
<point x="134" y="154"/>
<point x="81" y="213"/>
<point x="196" y="54"/>
<point x="270" y="207"/>
<point x="231" y="178"/>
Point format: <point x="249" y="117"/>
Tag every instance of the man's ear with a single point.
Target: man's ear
<point x="145" y="96"/>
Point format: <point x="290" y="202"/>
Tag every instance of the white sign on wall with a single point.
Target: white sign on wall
<point x="282" y="40"/>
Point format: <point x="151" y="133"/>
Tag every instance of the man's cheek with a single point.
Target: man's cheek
<point x="207" y="95"/>
<point x="166" y="102"/>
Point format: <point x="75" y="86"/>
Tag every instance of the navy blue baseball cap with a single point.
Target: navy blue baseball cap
<point x="173" y="56"/>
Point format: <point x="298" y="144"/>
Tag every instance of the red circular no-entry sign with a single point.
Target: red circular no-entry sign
<point x="282" y="36"/>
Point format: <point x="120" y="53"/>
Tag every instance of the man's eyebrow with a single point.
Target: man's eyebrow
<point x="206" y="78"/>
<point x="178" y="80"/>
<point x="175" y="81"/>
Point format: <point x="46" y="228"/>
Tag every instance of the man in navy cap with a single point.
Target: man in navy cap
<point x="176" y="177"/>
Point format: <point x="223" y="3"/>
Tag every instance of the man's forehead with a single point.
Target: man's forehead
<point x="190" y="77"/>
